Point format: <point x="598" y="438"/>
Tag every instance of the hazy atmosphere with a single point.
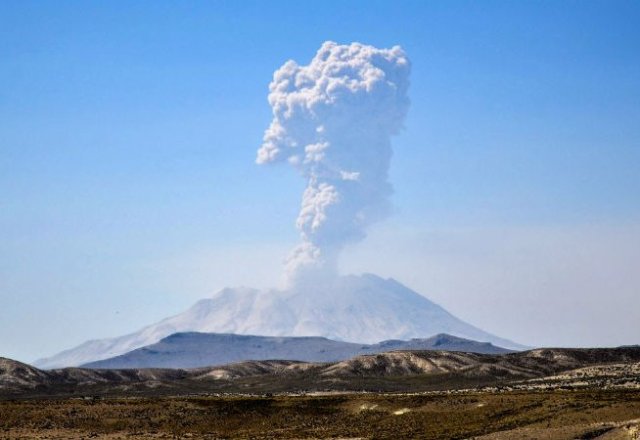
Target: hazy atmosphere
<point x="138" y="150"/>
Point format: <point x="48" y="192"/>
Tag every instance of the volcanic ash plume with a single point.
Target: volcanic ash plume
<point x="333" y="120"/>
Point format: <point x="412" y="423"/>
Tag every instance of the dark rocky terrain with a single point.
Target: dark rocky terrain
<point x="398" y="371"/>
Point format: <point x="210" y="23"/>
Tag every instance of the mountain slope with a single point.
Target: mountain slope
<point x="528" y="364"/>
<point x="16" y="375"/>
<point x="191" y="350"/>
<point x="363" y="308"/>
<point x="391" y="371"/>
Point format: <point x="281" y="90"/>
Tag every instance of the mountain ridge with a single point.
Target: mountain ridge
<point x="193" y="349"/>
<point x="403" y="371"/>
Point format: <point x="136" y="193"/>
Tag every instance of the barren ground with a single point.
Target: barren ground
<point x="550" y="414"/>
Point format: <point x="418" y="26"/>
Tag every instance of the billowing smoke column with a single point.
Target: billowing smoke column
<point x="333" y="120"/>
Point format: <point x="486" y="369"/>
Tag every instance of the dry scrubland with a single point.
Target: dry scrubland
<point x="559" y="414"/>
<point x="539" y="394"/>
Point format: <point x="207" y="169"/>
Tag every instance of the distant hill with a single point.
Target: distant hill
<point x="191" y="350"/>
<point x="366" y="309"/>
<point x="400" y="371"/>
<point x="16" y="375"/>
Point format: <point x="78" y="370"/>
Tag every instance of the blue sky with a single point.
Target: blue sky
<point x="128" y="133"/>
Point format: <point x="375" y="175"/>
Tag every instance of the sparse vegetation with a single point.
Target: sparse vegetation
<point x="551" y="393"/>
<point x="568" y="414"/>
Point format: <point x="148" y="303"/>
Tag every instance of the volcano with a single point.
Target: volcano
<point x="363" y="309"/>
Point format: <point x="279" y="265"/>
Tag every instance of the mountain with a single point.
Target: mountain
<point x="15" y="375"/>
<point x="191" y="350"/>
<point x="391" y="371"/>
<point x="362" y="308"/>
<point x="518" y="365"/>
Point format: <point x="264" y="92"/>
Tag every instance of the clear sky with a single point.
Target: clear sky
<point x="128" y="187"/>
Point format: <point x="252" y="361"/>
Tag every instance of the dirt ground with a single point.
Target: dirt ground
<point x="585" y="414"/>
